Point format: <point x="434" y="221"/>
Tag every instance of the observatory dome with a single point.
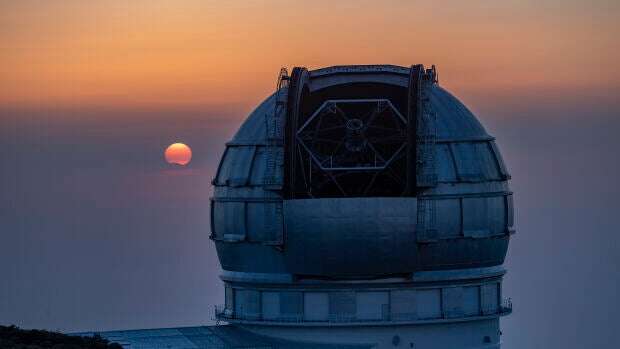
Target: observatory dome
<point x="360" y="172"/>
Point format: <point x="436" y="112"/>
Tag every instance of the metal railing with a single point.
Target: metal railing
<point x="506" y="306"/>
<point x="224" y="314"/>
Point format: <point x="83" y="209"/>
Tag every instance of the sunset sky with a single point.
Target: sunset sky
<point x="197" y="52"/>
<point x="98" y="232"/>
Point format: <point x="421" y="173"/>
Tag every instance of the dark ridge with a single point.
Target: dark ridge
<point x="15" y="338"/>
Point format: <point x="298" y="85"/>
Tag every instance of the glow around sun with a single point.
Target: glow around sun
<point x="178" y="153"/>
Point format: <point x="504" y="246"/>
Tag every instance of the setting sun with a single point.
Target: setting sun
<point x="178" y="153"/>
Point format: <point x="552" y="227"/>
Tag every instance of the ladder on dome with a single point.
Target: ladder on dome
<point x="426" y="135"/>
<point x="275" y="135"/>
<point x="426" y="166"/>
<point x="274" y="154"/>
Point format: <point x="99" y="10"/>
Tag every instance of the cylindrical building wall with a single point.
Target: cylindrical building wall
<point x="426" y="297"/>
<point x="477" y="334"/>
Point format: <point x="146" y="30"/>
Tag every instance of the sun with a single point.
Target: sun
<point x="178" y="153"/>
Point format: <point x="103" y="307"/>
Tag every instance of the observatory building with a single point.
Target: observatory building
<point x="360" y="207"/>
<point x="363" y="205"/>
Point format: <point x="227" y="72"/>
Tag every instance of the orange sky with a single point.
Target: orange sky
<point x="198" y="52"/>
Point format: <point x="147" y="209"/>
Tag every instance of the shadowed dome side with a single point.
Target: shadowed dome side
<point x="454" y="120"/>
<point x="253" y="129"/>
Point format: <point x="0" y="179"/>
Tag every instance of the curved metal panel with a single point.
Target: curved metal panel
<point x="316" y="306"/>
<point x="449" y="224"/>
<point x="484" y="216"/>
<point x="446" y="171"/>
<point x="467" y="162"/>
<point x="428" y="303"/>
<point x="338" y="75"/>
<point x="236" y="166"/>
<point x="247" y="303"/>
<point x="475" y="162"/>
<point x="258" y="171"/>
<point x="500" y="161"/>
<point x="452" y="302"/>
<point x="350" y="236"/>
<point x="360" y="69"/>
<point x="322" y="82"/>
<point x="489" y="298"/>
<point x="403" y="304"/>
<point x="463" y="253"/>
<point x="250" y="257"/>
<point x="291" y="305"/>
<point x="487" y="162"/>
<point x="471" y="300"/>
<point x="454" y="120"/>
<point x="229" y="221"/>
<point x="253" y="130"/>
